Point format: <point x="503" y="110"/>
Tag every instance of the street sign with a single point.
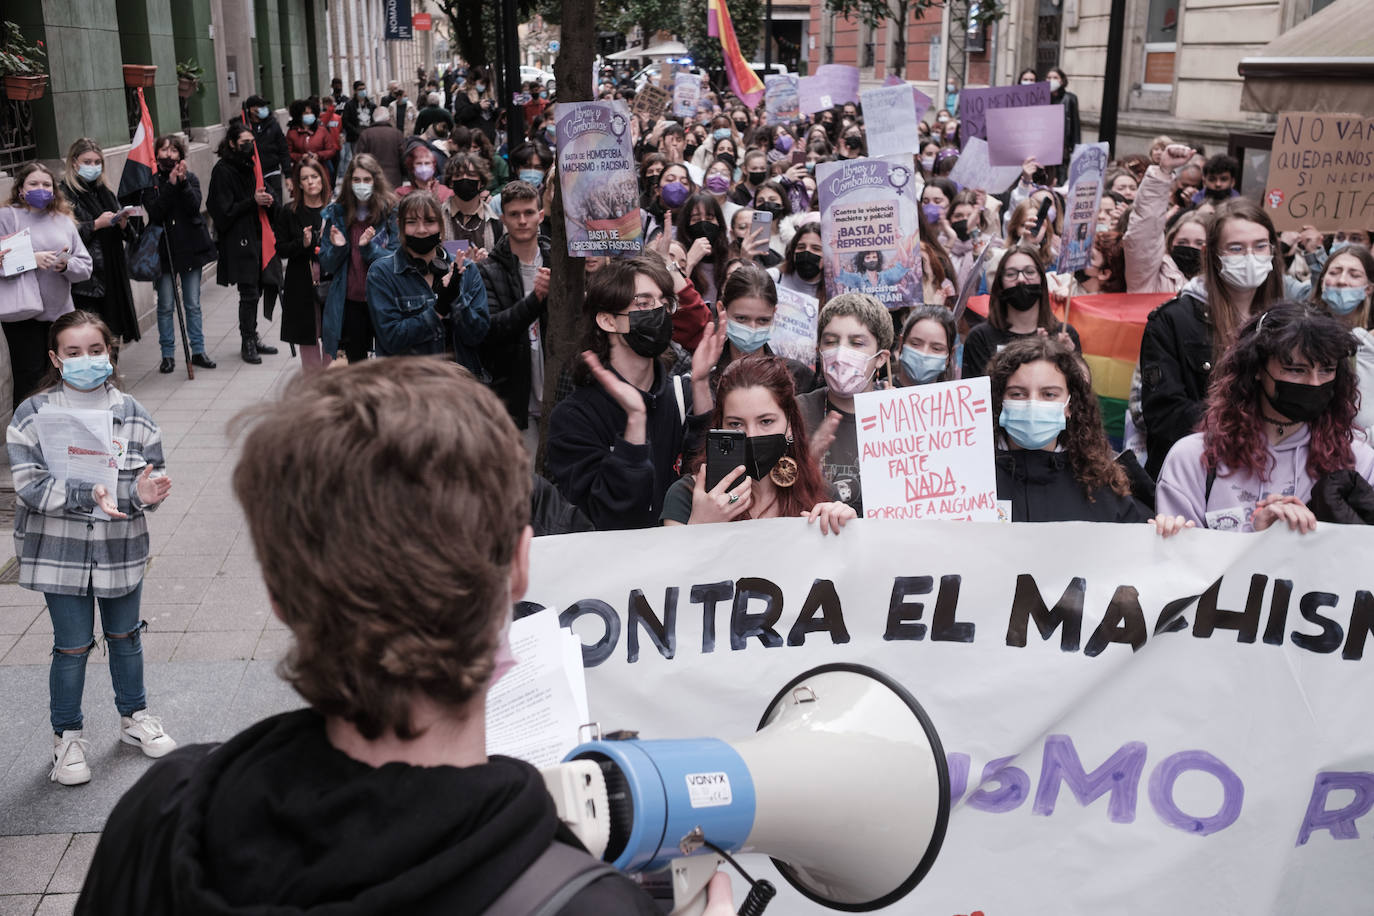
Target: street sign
<point x="423" y="22"/>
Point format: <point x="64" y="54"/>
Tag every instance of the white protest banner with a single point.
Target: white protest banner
<point x="1086" y="171"/>
<point x="973" y="170"/>
<point x="781" y="99"/>
<point x="869" y="229"/>
<point x="1132" y="725"/>
<point x="1321" y="171"/>
<point x="1017" y="134"/>
<point x="794" y="326"/>
<point x="600" y="181"/>
<point x="889" y="119"/>
<point x="927" y="451"/>
<point x="686" y="93"/>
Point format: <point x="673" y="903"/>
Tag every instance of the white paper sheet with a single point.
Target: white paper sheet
<point x="535" y="710"/>
<point x="79" y="444"/>
<point x="18" y="250"/>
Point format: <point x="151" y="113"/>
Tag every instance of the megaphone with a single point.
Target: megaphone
<point x="840" y="746"/>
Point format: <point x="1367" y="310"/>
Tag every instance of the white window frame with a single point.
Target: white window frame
<point x="1157" y="47"/>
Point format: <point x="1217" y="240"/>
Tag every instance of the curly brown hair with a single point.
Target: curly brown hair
<point x="387" y="503"/>
<point x="1090" y="454"/>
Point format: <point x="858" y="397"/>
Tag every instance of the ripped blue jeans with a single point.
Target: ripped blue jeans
<point x="73" y="629"/>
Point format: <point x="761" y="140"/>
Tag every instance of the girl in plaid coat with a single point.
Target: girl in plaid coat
<point x="73" y="555"/>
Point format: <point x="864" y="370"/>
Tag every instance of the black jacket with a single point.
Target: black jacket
<point x="550" y="513"/>
<point x="176" y="208"/>
<point x="272" y="149"/>
<point x="234" y="209"/>
<point x="1042" y="488"/>
<point x="1073" y="132"/>
<point x="107" y="292"/>
<point x="616" y="483"/>
<point x="277" y="820"/>
<point x="352" y="126"/>
<point x="1175" y="366"/>
<point x="506" y="351"/>
<point x="299" y="312"/>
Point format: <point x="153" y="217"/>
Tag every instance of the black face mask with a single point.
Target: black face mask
<point x="1188" y="259"/>
<point x="1301" y="403"/>
<point x="853" y="143"/>
<point x="1217" y="194"/>
<point x="689" y="150"/>
<point x="807" y="264"/>
<point x="245" y="150"/>
<point x="1023" y="298"/>
<point x="960" y="227"/>
<point x="467" y="188"/>
<point x="703" y="229"/>
<point x="651" y="330"/>
<point x="165" y="166"/>
<point x="761" y="454"/>
<point x="757" y="178"/>
<point x="770" y="206"/>
<point x="727" y="158"/>
<point x="423" y="244"/>
<point x="741" y="126"/>
<point x="1081" y="276"/>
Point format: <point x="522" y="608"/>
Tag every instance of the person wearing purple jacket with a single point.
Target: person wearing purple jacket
<point x="1279" y="420"/>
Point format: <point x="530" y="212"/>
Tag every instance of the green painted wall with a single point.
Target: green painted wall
<point x="146" y="37"/>
<point x="191" y="25"/>
<point x="268" y="52"/>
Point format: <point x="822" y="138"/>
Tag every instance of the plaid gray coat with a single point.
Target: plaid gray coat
<point x="61" y="547"/>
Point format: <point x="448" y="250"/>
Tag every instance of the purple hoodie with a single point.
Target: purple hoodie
<point x="1183" y="481"/>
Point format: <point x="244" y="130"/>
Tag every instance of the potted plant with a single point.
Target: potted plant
<point x="189" y="75"/>
<point x="21" y="65"/>
<point x="136" y="75"/>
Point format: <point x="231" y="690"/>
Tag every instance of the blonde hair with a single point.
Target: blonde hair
<point x="79" y="148"/>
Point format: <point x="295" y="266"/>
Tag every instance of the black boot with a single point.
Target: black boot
<point x="249" y="352"/>
<point x="167" y="365"/>
<point x="263" y="348"/>
<point x="202" y="361"/>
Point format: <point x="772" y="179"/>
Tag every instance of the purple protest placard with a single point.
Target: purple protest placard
<point x="974" y="171"/>
<point x="833" y="84"/>
<point x="1017" y="134"/>
<point x="600" y="184"/>
<point x="975" y="103"/>
<point x="869" y="229"/>
<point x="1086" y="170"/>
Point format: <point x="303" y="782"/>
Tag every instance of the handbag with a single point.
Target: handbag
<point x="320" y="283"/>
<point x="144" y="255"/>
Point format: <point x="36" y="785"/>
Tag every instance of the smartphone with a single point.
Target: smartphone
<point x="799" y="157"/>
<point x="453" y="246"/>
<point x="724" y="453"/>
<point x="761" y="221"/>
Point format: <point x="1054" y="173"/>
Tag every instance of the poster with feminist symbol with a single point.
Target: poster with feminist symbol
<point x="596" y="167"/>
<point x="869" y="229"/>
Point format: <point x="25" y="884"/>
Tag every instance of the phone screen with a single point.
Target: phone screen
<point x="453" y="246"/>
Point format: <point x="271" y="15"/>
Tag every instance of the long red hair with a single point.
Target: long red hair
<point x="772" y="374"/>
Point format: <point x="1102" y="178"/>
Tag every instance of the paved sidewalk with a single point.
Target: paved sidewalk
<point x="212" y="642"/>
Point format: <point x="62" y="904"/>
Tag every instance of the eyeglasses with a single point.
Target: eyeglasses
<point x="1025" y="273"/>
<point x="644" y="302"/>
<point x="1263" y="249"/>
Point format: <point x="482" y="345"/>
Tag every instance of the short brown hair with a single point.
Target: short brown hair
<point x="386" y="502"/>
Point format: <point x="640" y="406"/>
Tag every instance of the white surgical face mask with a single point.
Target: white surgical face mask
<point x="1245" y="271"/>
<point x="1054" y="84"/>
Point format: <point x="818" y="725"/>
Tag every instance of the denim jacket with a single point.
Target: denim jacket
<point x="401" y="300"/>
<point x="334" y="261"/>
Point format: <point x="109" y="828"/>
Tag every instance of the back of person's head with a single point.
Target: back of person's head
<point x="381" y="116"/>
<point x="871" y="313"/>
<point x="436" y="99"/>
<point x="1221" y="164"/>
<point x="410" y="602"/>
<point x="1113" y="251"/>
<point x="1237" y="404"/>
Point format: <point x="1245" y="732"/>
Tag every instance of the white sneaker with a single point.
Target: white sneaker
<point x="69" y="759"/>
<point x="146" y="732"/>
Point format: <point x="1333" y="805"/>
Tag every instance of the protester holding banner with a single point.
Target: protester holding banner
<point x="1018" y="307"/>
<point x="700" y="226"/>
<point x="1278" y="420"/>
<point x="925" y="350"/>
<point x="778" y="477"/>
<point x="974" y="223"/>
<point x="1156" y="260"/>
<point x="1242" y="275"/>
<point x="234" y="201"/>
<point x="1343" y="289"/>
<point x="104" y="227"/>
<point x="748" y="304"/>
<point x="1054" y="463"/>
<point x="614" y="443"/>
<point x="854" y="335"/>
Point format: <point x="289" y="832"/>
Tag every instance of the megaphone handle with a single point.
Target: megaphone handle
<point x="691" y="874"/>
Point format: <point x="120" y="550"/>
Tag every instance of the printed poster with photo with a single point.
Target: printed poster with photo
<point x="869" y="229"/>
<point x="1086" y="170"/>
<point x="600" y="183"/>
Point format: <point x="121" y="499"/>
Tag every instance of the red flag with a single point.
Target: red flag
<point x="743" y="80"/>
<point x="141" y="165"/>
<point x="269" y="238"/>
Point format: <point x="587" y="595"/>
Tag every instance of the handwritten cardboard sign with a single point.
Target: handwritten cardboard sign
<point x="926" y="452"/>
<point x="651" y="101"/>
<point x="890" y="118"/>
<point x="782" y="98"/>
<point x="600" y="183"/>
<point x="686" y="94"/>
<point x="794" y="326"/>
<point x="869" y="228"/>
<point x="1086" y="169"/>
<point x="1016" y="134"/>
<point x="974" y="105"/>
<point x="1321" y="172"/>
<point x="973" y="170"/>
<point x="833" y="84"/>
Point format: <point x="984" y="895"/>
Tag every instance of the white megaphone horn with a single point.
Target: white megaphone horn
<point x="844" y="785"/>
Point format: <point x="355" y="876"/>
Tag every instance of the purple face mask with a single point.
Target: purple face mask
<point x="933" y="213"/>
<point x="717" y="183"/>
<point x="38" y="198"/>
<point x="784" y="143"/>
<point x="675" y="193"/>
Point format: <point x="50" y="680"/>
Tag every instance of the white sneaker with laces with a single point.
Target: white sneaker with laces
<point x="69" y="759"/>
<point x="145" y="731"/>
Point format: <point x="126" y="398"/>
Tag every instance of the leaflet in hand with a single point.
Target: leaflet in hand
<point x="18" y="249"/>
<point x="535" y="710"/>
<point x="79" y="444"/>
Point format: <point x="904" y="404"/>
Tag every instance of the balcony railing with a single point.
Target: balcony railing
<point x="18" y="142"/>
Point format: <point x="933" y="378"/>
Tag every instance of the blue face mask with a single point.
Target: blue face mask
<point x="86" y="372"/>
<point x="1338" y="247"/>
<point x="89" y="172"/>
<point x="1343" y="300"/>
<point x="263" y="112"/>
<point x="308" y="119"/>
<point x="1033" y="424"/>
<point x="533" y="176"/>
<point x="746" y="338"/>
<point x="720" y="133"/>
<point x="922" y="367"/>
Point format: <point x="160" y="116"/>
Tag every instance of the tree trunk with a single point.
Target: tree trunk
<point x="562" y="341"/>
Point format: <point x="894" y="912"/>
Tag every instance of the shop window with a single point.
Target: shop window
<point x="1161" y="46"/>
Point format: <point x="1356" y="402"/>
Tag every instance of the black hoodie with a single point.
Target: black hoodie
<point x="277" y="821"/>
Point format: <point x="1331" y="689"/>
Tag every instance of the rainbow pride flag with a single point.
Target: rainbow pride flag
<point x="1110" y="327"/>
<point x="744" y="82"/>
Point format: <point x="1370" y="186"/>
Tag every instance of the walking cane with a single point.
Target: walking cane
<point x="176" y="304"/>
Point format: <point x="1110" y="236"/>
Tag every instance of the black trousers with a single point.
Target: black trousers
<point x="248" y="310"/>
<point x="28" y="343"/>
<point x="357" y="330"/>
